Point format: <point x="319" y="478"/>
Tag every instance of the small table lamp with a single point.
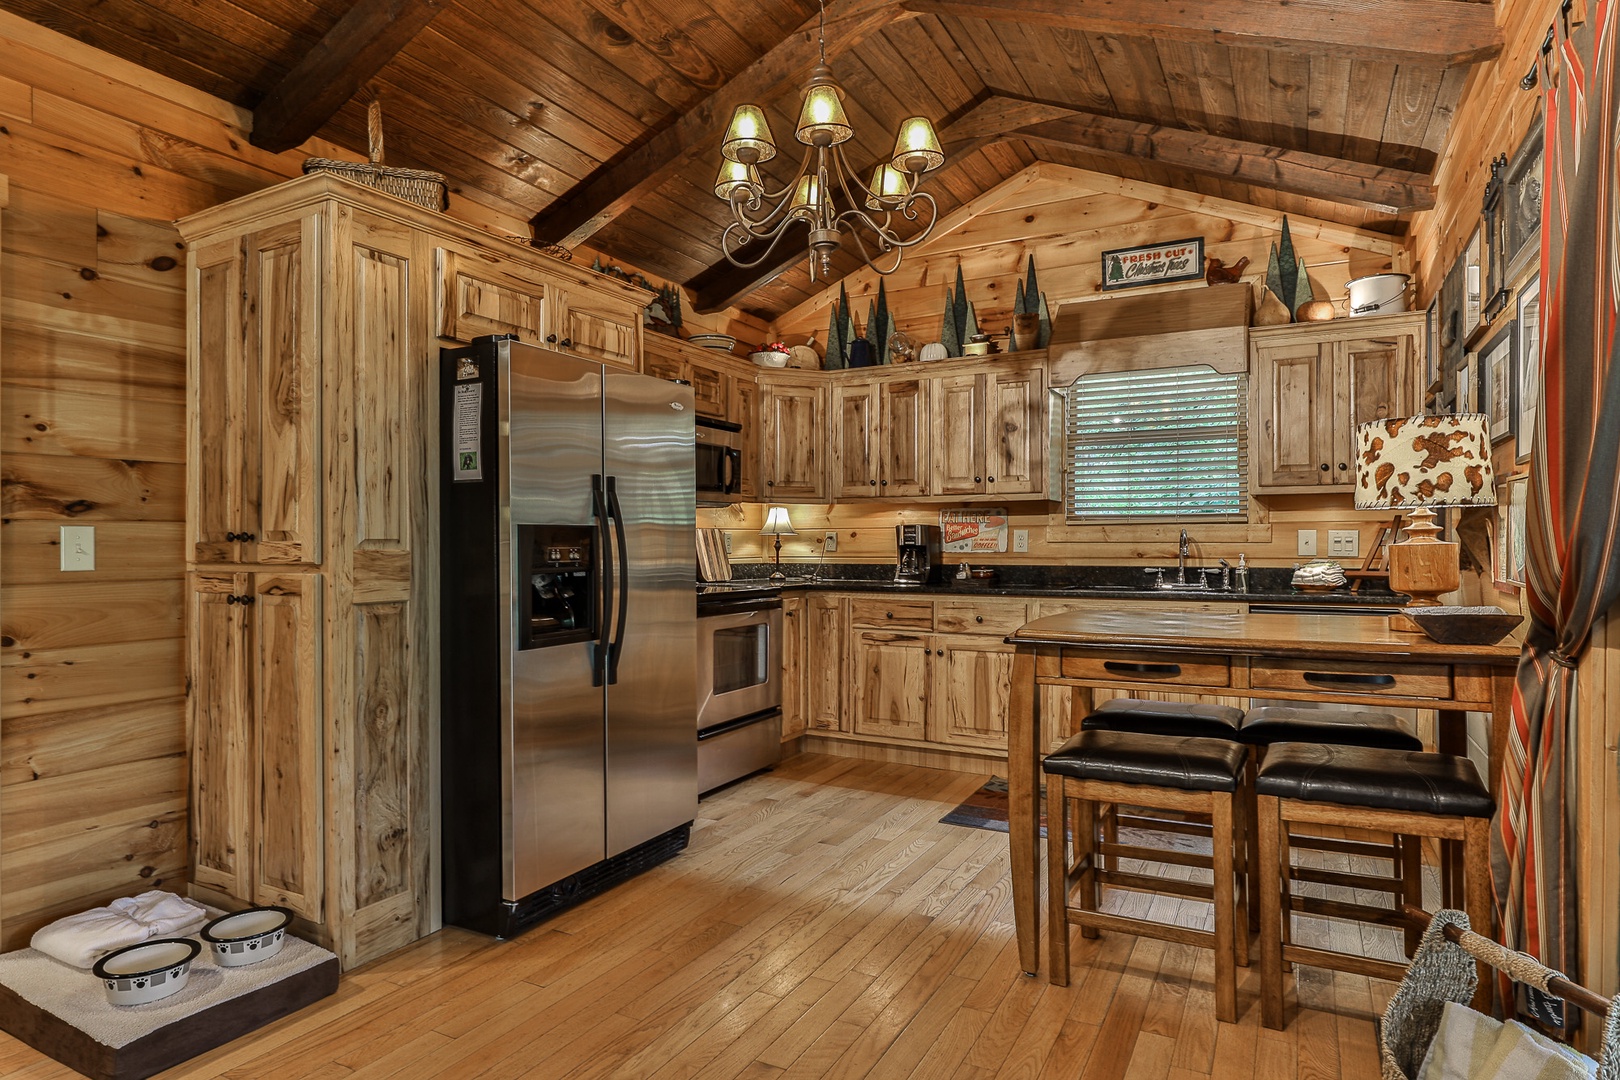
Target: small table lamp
<point x="777" y="525"/>
<point x="1411" y="464"/>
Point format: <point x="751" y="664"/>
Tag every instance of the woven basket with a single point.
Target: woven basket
<point x="425" y="189"/>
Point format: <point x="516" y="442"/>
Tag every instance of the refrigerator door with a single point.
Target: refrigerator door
<point x="552" y="732"/>
<point x="652" y="684"/>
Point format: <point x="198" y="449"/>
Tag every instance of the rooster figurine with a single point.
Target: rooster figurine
<point x="1218" y="273"/>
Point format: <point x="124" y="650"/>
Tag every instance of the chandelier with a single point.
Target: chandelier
<point x="826" y="193"/>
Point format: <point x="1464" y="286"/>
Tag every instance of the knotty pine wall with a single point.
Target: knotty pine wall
<point x="101" y="155"/>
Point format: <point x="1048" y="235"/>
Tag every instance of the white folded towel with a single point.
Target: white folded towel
<point x="82" y="939"/>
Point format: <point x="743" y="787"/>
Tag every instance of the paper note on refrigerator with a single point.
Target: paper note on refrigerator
<point x="964" y="531"/>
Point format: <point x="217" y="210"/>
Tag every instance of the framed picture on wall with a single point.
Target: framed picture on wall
<point x="1468" y="385"/>
<point x="1473" y="282"/>
<point x="1518" y="550"/>
<point x="1497" y="379"/>
<point x="1522" y="203"/>
<point x="1501" y="558"/>
<point x="1431" y="341"/>
<point x="1527" y="363"/>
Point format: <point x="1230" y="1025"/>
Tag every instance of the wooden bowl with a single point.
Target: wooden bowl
<point x="1464" y="625"/>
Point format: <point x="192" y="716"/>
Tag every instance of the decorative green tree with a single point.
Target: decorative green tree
<point x="1283" y="272"/>
<point x="1116" y="269"/>
<point x="1029" y="300"/>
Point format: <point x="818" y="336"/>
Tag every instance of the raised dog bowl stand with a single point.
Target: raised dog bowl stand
<point x="63" y="1012"/>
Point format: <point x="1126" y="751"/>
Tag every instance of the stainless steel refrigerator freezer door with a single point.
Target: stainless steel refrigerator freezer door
<point x="652" y="693"/>
<point x="553" y="747"/>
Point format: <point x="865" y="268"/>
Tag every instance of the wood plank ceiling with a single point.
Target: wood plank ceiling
<point x="598" y="120"/>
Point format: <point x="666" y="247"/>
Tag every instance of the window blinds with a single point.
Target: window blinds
<point x="1164" y="442"/>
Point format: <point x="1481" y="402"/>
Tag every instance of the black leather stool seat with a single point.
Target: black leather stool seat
<point x="1123" y="757"/>
<point x="1277" y="724"/>
<point x="1404" y="780"/>
<point x="1184" y="719"/>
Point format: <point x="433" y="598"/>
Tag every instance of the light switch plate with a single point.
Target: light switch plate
<point x="1344" y="543"/>
<point x="726" y="536"/>
<point x="78" y="547"/>
<point x="831" y="543"/>
<point x="1020" y="539"/>
<point x="1307" y="541"/>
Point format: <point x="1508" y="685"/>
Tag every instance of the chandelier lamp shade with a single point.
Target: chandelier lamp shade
<point x="826" y="193"/>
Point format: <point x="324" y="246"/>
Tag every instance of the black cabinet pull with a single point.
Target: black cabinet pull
<point x="888" y="614"/>
<point x="551" y="339"/>
<point x="567" y="343"/>
<point x="978" y="618"/>
<point x="1331" y="678"/>
<point x="1324" y="466"/>
<point x="991" y="480"/>
<point x="245" y="536"/>
<point x="885" y="483"/>
<point x="770" y="483"/>
<point x="230" y="537"/>
<point x="1343" y="467"/>
<point x="872" y="482"/>
<point x="1142" y="669"/>
<point x="978" y="479"/>
<point x="230" y="598"/>
<point x="939" y="652"/>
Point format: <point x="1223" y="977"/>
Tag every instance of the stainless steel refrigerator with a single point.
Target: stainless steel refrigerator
<point x="568" y="684"/>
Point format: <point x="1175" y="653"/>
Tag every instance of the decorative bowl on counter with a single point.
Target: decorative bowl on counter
<point x="723" y="342"/>
<point x="146" y="972"/>
<point x="1464" y="625"/>
<point x="769" y="358"/>
<point x="248" y="936"/>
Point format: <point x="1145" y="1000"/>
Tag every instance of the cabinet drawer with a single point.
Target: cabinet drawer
<point x="1353" y="677"/>
<point x="1192" y="669"/>
<point x="978" y="617"/>
<point x="885" y="613"/>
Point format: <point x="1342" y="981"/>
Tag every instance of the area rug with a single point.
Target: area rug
<point x="986" y="809"/>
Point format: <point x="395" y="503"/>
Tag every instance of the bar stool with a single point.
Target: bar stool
<point x="1407" y="793"/>
<point x="1106" y="767"/>
<point x="1268" y="725"/>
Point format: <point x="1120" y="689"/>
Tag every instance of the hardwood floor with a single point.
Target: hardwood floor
<point x="822" y="924"/>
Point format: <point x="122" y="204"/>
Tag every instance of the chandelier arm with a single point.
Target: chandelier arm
<point x="728" y="250"/>
<point x="860" y="245"/>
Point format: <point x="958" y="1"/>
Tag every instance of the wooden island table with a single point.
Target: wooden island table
<point x="1307" y="657"/>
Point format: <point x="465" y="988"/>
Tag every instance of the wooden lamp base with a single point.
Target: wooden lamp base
<point x="1422" y="566"/>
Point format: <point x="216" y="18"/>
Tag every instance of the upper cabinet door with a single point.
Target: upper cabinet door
<point x="282" y="515"/>
<point x="216" y="480"/>
<point x="1291" y="416"/>
<point x="959" y="451"/>
<point x="855" y="440"/>
<point x="478" y="295"/>
<point x="1374" y="379"/>
<point x="794" y="430"/>
<point x="904" y="443"/>
<point x="1015" y="460"/>
<point x="596" y="327"/>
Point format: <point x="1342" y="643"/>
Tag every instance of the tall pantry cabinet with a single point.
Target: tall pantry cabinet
<point x="316" y="310"/>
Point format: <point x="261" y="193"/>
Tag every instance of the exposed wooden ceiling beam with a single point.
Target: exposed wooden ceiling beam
<point x="354" y="50"/>
<point x="614" y="187"/>
<point x="1428" y="31"/>
<point x="1391" y="191"/>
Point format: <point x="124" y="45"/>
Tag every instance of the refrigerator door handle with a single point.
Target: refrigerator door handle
<point x="616" y="514"/>
<point x="599" y="510"/>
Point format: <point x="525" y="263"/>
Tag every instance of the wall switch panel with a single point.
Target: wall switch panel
<point x="1344" y="543"/>
<point x="726" y="536"/>
<point x="832" y="542"/>
<point x="1020" y="539"/>
<point x="1307" y="541"/>
<point x="78" y="547"/>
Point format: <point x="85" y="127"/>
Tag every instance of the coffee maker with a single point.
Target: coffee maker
<point x="917" y="554"/>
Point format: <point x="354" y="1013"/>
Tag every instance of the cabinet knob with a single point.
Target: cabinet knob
<point x="939" y="652"/>
<point x="246" y="600"/>
<point x="1324" y="466"/>
<point x="991" y="480"/>
<point x="551" y="339"/>
<point x="770" y="483"/>
<point x="980" y="479"/>
<point x="978" y="618"/>
<point x="1343" y="467"/>
<point x="230" y="598"/>
<point x="245" y="536"/>
<point x="567" y="343"/>
<point x="888" y="614"/>
<point x="873" y="483"/>
<point x="885" y="483"/>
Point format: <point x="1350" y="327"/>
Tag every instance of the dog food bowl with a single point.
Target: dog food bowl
<point x="246" y="937"/>
<point x="146" y="972"/>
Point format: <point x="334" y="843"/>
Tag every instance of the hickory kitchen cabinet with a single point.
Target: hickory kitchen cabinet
<point x="880" y="438"/>
<point x="795" y="702"/>
<point x="793" y="438"/>
<point x="316" y="311"/>
<point x="1312" y="383"/>
<point x="997" y="424"/>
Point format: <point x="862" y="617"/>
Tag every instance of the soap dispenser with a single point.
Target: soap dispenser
<point x="1241" y="584"/>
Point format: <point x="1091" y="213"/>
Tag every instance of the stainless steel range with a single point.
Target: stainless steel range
<point x="739" y="671"/>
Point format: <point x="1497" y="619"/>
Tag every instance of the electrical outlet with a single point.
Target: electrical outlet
<point x="1344" y="543"/>
<point x="831" y="543"/>
<point x="78" y="547"/>
<point x="1307" y="542"/>
<point x="727" y="537"/>
<point x="1020" y="539"/>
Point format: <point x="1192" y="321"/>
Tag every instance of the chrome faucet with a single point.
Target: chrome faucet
<point x="1181" y="560"/>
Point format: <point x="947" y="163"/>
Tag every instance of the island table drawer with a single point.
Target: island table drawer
<point x="1353" y="677"/>
<point x="887" y="614"/>
<point x="1121" y="668"/>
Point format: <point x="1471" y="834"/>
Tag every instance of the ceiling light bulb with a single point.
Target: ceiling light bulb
<point x="748" y="138"/>
<point x="821" y="120"/>
<point x="916" y="147"/>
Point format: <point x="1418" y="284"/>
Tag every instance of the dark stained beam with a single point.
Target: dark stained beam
<point x="1391" y="191"/>
<point x="614" y="187"/>
<point x="354" y="50"/>
<point x="1432" y="31"/>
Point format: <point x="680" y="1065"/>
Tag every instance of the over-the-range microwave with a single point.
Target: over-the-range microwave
<point x="719" y="461"/>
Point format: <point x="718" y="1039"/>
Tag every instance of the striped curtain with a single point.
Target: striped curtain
<point x="1573" y="571"/>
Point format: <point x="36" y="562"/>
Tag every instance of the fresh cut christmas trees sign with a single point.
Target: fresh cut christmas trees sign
<point x="1154" y="264"/>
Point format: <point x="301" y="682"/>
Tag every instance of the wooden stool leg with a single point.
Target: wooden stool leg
<point x="1477" y="889"/>
<point x="1225" y="909"/>
<point x="1273" y="878"/>
<point x="1409" y="869"/>
<point x="1255" y="869"/>
<point x="1057" y="880"/>
<point x="1085" y="860"/>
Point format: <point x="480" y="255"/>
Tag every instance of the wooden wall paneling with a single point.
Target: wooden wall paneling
<point x="92" y="736"/>
<point x="44" y="682"/>
<point x="89" y="490"/>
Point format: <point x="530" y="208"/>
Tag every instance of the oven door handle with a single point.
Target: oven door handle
<point x="616" y="516"/>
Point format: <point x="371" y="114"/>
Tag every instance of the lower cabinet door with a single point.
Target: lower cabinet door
<point x="222" y="733"/>
<point x="890" y="687"/>
<point x="972" y="682"/>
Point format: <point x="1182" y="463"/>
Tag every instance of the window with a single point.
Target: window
<point x="1158" y="443"/>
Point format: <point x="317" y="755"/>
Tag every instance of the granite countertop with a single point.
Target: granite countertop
<point x="1267" y="585"/>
